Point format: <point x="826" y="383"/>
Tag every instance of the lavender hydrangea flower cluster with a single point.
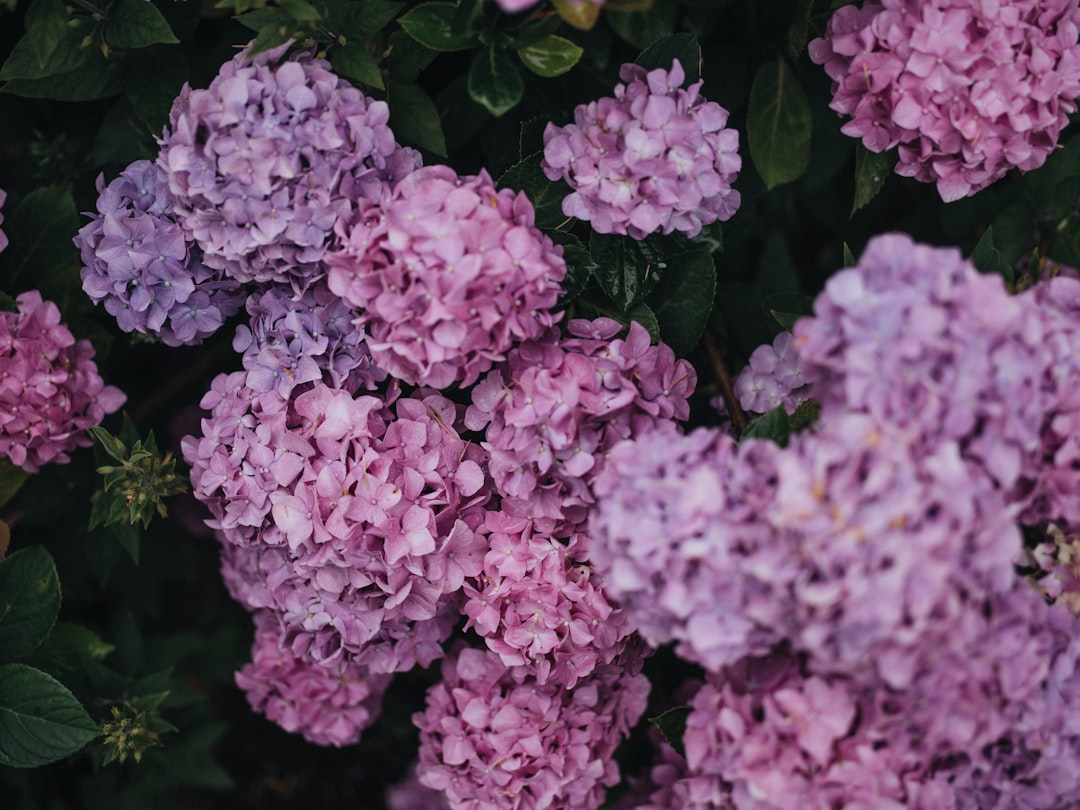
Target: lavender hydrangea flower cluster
<point x="854" y="594"/>
<point x="50" y="389"/>
<point x="655" y="158"/>
<point x="449" y="277"/>
<point x="493" y="737"/>
<point x="967" y="89"/>
<point x="772" y="378"/>
<point x="264" y="162"/>
<point x="140" y="263"/>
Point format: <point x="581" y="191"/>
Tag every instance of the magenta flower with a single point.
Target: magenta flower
<point x="655" y="158"/>
<point x="447" y="276"/>
<point x="967" y="89"/>
<point x="50" y="389"/>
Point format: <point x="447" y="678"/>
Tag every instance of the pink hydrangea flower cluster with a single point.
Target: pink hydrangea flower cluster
<point x="327" y="705"/>
<point x="3" y="236"/>
<point x="493" y="737"/>
<point x="539" y="604"/>
<point x="449" y="276"/>
<point x="967" y="89"/>
<point x="263" y="163"/>
<point x="50" y="389"/>
<point x="555" y="408"/>
<point x="655" y="158"/>
<point x="142" y="266"/>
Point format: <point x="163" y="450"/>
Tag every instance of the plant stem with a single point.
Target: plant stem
<point x="727" y="389"/>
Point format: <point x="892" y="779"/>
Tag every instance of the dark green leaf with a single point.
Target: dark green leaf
<point x="545" y="195"/>
<point x="414" y="118"/>
<point x="11" y="480"/>
<point x="109" y="443"/>
<point x="986" y="258"/>
<point x="672" y="724"/>
<point x="40" y="720"/>
<point x="8" y="304"/>
<point x="495" y="81"/>
<point x="684" y="297"/>
<point x="799" y="32"/>
<point x="871" y="171"/>
<point x="354" y="61"/>
<point x="786" y="308"/>
<point x="47" y="30"/>
<point x="300" y="10"/>
<point x="255" y="20"/>
<point x="642" y="28"/>
<point x="153" y="83"/>
<point x="774" y="425"/>
<point x="29" y="601"/>
<point x="33" y="228"/>
<point x="68" y="645"/>
<point x="805" y="415"/>
<point x="626" y="269"/>
<point x="579" y="263"/>
<point x="531" y="136"/>
<point x="271" y="35"/>
<point x="849" y="257"/>
<point x="663" y="52"/>
<point x="136" y="24"/>
<point x="551" y="56"/>
<point x="407" y="56"/>
<point x="644" y="315"/>
<point x="364" y="19"/>
<point x="778" y="124"/>
<point x="432" y="25"/>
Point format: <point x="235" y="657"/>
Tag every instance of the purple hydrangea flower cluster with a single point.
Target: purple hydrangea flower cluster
<point x="264" y="162"/>
<point x="50" y="389"/>
<point x="492" y="736"/>
<point x="539" y="604"/>
<point x="556" y="407"/>
<point x="655" y="158"/>
<point x="140" y="263"/>
<point x="327" y="705"/>
<point x="772" y="378"/>
<point x="292" y="341"/>
<point x="967" y="89"/>
<point x="449" y="277"/>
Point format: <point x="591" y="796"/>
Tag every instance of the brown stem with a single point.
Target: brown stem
<point x="727" y="389"/>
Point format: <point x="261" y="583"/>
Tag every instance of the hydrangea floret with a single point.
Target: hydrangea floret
<point x="966" y="89"/>
<point x="655" y="158"/>
<point x="50" y="389"/>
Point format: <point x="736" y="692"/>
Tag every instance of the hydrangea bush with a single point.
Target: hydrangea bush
<point x="570" y="420"/>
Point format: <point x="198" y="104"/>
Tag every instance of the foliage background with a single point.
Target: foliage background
<point x="145" y="624"/>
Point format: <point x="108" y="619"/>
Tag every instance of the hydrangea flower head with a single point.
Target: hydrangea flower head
<point x="967" y="89"/>
<point x="655" y="158"/>
<point x="50" y="389"/>
<point x="139" y="262"/>
<point x="3" y="236"/>
<point x="772" y="378"/>
<point x="447" y="275"/>
<point x="492" y="737"/>
<point x="263" y="162"/>
<point x="328" y="705"/>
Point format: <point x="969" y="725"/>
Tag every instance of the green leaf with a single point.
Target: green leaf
<point x="109" y="443"/>
<point x="432" y="25"/>
<point x="257" y="19"/>
<point x="545" y="195"/>
<point x="495" y="81"/>
<point x="643" y="314"/>
<point x="414" y="117"/>
<point x="663" y="52"/>
<point x="40" y="720"/>
<point x="136" y="24"/>
<point x="270" y="36"/>
<point x="684" y="297"/>
<point x="11" y="480"/>
<point x="29" y="601"/>
<point x="154" y="82"/>
<point x="407" y="56"/>
<point x="551" y="56"/>
<point x="871" y="171"/>
<point x="129" y="535"/>
<point x="642" y="28"/>
<point x="799" y="32"/>
<point x="849" y="257"/>
<point x="786" y="308"/>
<point x="774" y="425"/>
<point x="627" y="270"/>
<point x="47" y="30"/>
<point x="672" y="724"/>
<point x="582" y="16"/>
<point x="354" y="61"/>
<point x="579" y="263"/>
<point x="778" y="124"/>
<point x="33" y="228"/>
<point x="805" y="415"/>
<point x="364" y="19"/>
<point x="300" y="10"/>
<point x="986" y="258"/>
<point x="69" y="644"/>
